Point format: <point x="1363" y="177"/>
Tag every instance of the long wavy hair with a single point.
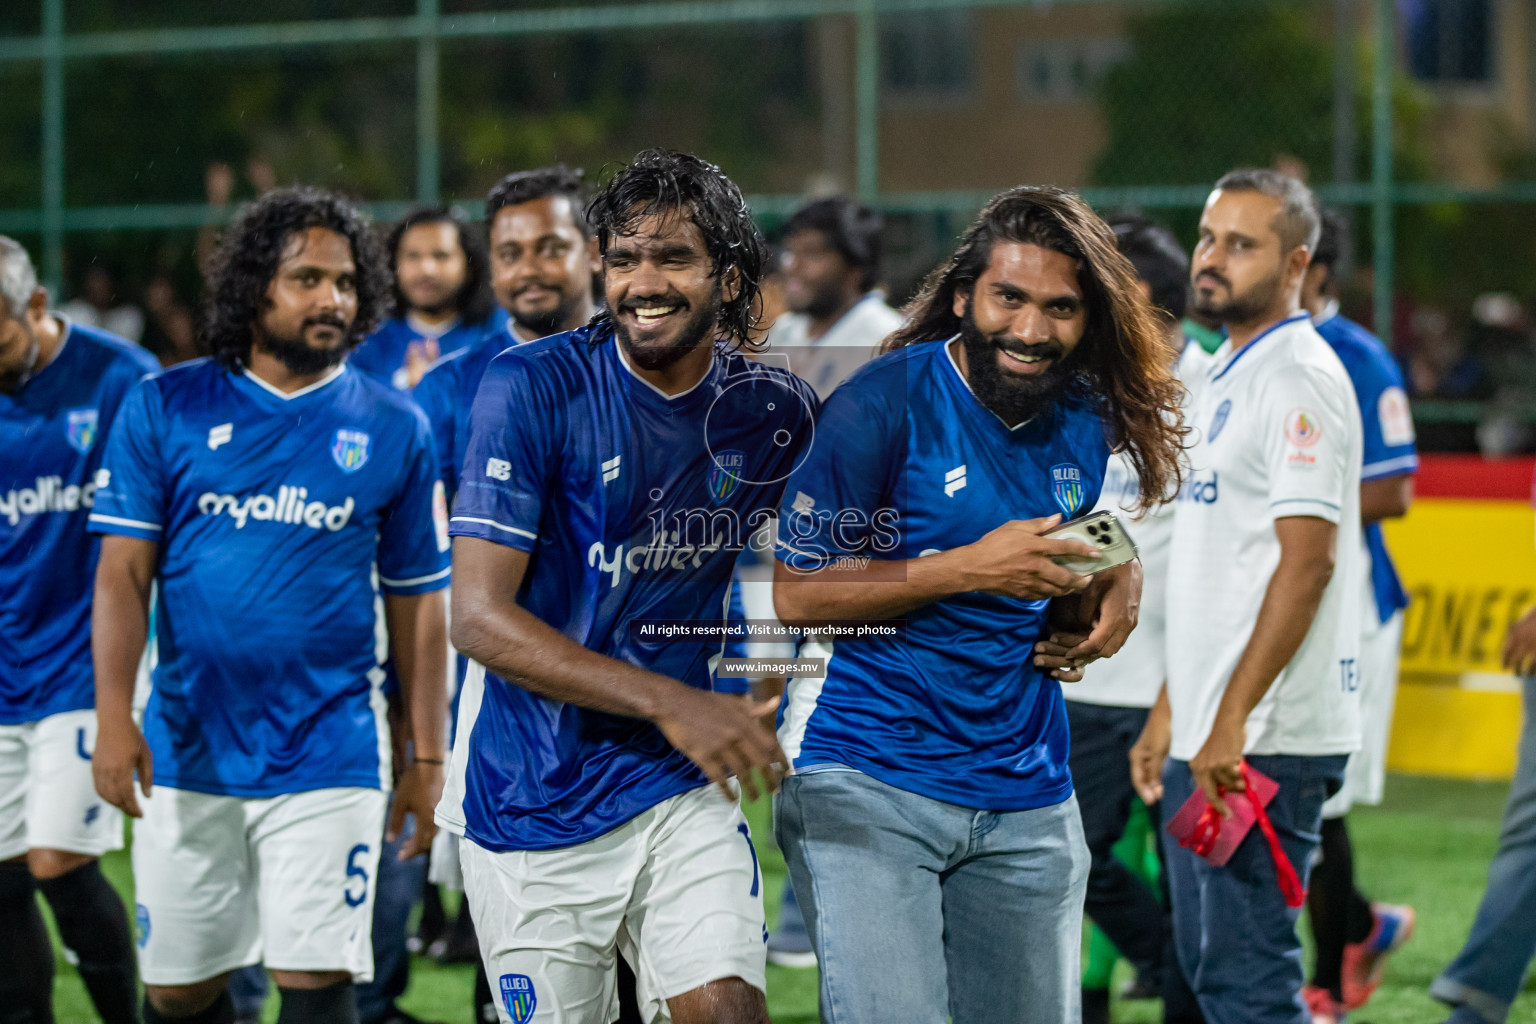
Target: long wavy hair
<point x="250" y="251"/>
<point x="661" y="183"/>
<point x="474" y="301"/>
<point x="1123" y="364"/>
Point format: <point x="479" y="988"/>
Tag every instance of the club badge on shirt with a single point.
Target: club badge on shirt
<point x="350" y="449"/>
<point x="1067" y="488"/>
<point x="1303" y="428"/>
<point x="80" y="429"/>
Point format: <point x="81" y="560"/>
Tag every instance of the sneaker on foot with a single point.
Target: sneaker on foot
<point x="1321" y="1004"/>
<point x="1366" y="962"/>
<point x="791" y="949"/>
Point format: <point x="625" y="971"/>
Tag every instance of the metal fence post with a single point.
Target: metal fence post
<point x="428" y="170"/>
<point x="1384" y="61"/>
<point x="867" y="102"/>
<point x="53" y="147"/>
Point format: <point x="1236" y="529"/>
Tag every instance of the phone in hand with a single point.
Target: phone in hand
<point x="1103" y="531"/>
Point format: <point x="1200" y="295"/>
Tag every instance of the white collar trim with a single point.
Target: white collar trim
<point x="290" y="396"/>
<point x="619" y="348"/>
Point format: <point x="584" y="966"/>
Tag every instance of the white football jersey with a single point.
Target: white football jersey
<point x="1275" y="433"/>
<point x="1133" y="676"/>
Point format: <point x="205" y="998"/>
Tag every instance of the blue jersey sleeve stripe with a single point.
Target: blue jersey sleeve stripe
<point x="97" y="517"/>
<point x="1389" y="467"/>
<point x="492" y="522"/>
<point x="415" y="580"/>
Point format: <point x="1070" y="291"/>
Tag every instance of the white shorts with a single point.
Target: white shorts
<point x="48" y="800"/>
<point x="1365" y="779"/>
<point x="225" y="881"/>
<point x="677" y="889"/>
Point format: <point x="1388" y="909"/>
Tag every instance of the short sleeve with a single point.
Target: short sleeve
<point x="838" y="502"/>
<point x="413" y="537"/>
<point x="1388" y="440"/>
<point x="507" y="463"/>
<point x="130" y="497"/>
<point x="1305" y="430"/>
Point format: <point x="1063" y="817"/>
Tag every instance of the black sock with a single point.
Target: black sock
<point x="26" y="954"/>
<point x="485" y="1003"/>
<point x="93" y="923"/>
<point x="334" y="1004"/>
<point x="1333" y="906"/>
<point x="222" y="1011"/>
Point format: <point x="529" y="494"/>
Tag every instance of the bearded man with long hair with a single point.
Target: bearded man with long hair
<point x="930" y="821"/>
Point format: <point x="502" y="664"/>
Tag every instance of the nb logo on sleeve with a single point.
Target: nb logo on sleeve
<point x="498" y="469"/>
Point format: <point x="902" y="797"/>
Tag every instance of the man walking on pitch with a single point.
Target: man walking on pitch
<point x="440" y="302"/>
<point x="1263" y="625"/>
<point x="260" y="492"/>
<point x="61" y="385"/>
<point x="612" y="476"/>
<point x="930" y="824"/>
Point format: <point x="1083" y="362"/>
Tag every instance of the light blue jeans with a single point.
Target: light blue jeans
<point x="1486" y="975"/>
<point x="922" y="911"/>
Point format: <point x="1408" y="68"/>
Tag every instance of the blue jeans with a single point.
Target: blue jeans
<point x="1235" y="937"/>
<point x="1486" y="975"/>
<point x="922" y="910"/>
<point x="398" y="890"/>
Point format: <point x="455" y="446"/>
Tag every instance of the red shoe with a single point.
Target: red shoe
<point x="1366" y="962"/>
<point x="1321" y="1005"/>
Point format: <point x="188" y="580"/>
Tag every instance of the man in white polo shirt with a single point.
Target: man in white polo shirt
<point x="1263" y="621"/>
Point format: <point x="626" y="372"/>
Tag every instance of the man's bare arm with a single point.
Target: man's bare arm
<point x="125" y="574"/>
<point x="1386" y="497"/>
<point x="417" y="628"/>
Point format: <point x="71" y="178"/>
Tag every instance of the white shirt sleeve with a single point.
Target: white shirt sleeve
<point x="1305" y="429"/>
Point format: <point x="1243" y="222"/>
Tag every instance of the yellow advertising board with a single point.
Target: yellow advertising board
<point x="1469" y="566"/>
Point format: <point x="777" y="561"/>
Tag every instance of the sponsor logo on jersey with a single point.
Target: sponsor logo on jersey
<point x="498" y="469"/>
<point x="220" y="435"/>
<point x="954" y="480"/>
<point x="1303" y="428"/>
<point x="48" y="494"/>
<point x="290" y="505"/>
<point x="725" y="474"/>
<point x="1396" y="421"/>
<point x="80" y="429"/>
<point x="350" y="449"/>
<point x="1196" y="489"/>
<point x="662" y="553"/>
<point x="1067" y="488"/>
<point x="1220" y="419"/>
<point x="518" y="998"/>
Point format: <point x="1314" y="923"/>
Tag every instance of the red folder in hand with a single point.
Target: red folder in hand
<point x="1201" y="828"/>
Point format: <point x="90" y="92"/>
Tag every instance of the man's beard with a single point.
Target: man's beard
<point x="551" y="321"/>
<point x="301" y="358"/>
<point x="1239" y="309"/>
<point x="12" y="380"/>
<point x="1012" y="398"/>
<point x="825" y="302"/>
<point x="698" y="327"/>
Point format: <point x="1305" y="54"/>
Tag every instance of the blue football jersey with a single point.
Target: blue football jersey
<point x="382" y="353"/>
<point x="1388" y="436"/>
<point x="633" y="507"/>
<point x="907" y="462"/>
<point x="52" y="435"/>
<point x="447" y="395"/>
<point x="274" y="514"/>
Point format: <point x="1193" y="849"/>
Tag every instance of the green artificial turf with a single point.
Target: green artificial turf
<point x="1428" y="846"/>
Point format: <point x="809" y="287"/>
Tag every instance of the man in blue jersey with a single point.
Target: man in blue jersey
<point x="441" y="301"/>
<point x="543" y="258"/>
<point x="1354" y="936"/>
<point x="612" y="476"/>
<point x="280" y="502"/>
<point x="930" y="822"/>
<point x="60" y="388"/>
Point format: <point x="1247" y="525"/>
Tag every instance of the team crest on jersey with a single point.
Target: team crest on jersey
<point x="725" y="474"/>
<point x="518" y="997"/>
<point x="80" y="429"/>
<point x="350" y="449"/>
<point x="1067" y="487"/>
<point x="1220" y="419"/>
<point x="1303" y="428"/>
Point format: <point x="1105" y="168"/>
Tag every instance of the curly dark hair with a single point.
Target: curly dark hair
<point x="250" y="251"/>
<point x="540" y="183"/>
<point x="1123" y="362"/>
<point x="474" y="302"/>
<point x="658" y="182"/>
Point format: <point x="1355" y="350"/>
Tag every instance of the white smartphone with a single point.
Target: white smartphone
<point x="1103" y="531"/>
